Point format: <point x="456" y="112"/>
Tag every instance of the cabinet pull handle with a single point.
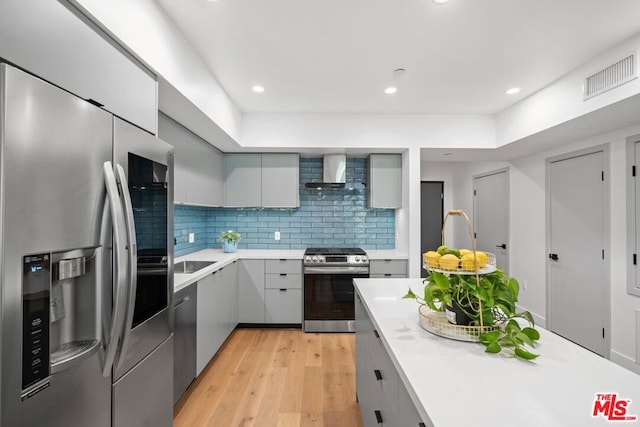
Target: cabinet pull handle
<point x="184" y="300"/>
<point x="387" y="274"/>
<point x="378" y="416"/>
<point x="283" y="259"/>
<point x="422" y="425"/>
<point x="378" y="374"/>
<point x="283" y="290"/>
<point x="283" y="274"/>
<point x="387" y="260"/>
<point x="376" y="333"/>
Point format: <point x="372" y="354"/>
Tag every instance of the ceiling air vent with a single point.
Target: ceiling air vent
<point x="614" y="75"/>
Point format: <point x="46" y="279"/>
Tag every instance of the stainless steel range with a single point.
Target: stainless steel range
<point x="328" y="287"/>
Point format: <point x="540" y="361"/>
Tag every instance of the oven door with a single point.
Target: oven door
<point x="328" y="301"/>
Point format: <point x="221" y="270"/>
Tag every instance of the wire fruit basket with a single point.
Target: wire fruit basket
<point x="437" y="322"/>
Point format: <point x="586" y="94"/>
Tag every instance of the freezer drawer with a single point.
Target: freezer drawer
<point x="144" y="396"/>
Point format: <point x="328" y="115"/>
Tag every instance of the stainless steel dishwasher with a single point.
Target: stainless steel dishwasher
<point x="184" y="348"/>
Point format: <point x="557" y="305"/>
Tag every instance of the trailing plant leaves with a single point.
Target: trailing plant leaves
<point x="410" y="295"/>
<point x="531" y="333"/>
<point x="524" y="338"/>
<point x="493" y="347"/>
<point x="524" y="354"/>
<point x="440" y="280"/>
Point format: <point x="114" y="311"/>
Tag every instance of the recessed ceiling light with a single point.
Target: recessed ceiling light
<point x="512" y="91"/>
<point x="258" y="89"/>
<point x="391" y="90"/>
<point x="441" y="1"/>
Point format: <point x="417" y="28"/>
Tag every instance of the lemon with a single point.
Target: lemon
<point x="449" y="262"/>
<point x="482" y="259"/>
<point x="464" y="252"/>
<point x="431" y="259"/>
<point x="468" y="263"/>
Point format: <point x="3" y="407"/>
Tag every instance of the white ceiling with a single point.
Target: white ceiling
<point x="337" y="56"/>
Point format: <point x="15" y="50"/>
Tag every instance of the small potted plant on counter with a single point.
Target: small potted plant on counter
<point x="229" y="241"/>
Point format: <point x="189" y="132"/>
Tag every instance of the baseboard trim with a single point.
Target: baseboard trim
<point x="625" y="361"/>
<point x="540" y="320"/>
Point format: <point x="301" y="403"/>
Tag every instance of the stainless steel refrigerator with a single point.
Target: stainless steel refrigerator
<point x="86" y="251"/>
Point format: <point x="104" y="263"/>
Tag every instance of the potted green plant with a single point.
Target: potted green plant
<point x="483" y="300"/>
<point x="229" y="241"/>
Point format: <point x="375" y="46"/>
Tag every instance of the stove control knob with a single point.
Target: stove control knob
<point x="357" y="259"/>
<point x="307" y="259"/>
<point x="315" y="259"/>
<point x="321" y="258"/>
<point x="364" y="258"/>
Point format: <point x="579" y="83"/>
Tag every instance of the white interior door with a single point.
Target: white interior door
<point x="577" y="281"/>
<point x="491" y="215"/>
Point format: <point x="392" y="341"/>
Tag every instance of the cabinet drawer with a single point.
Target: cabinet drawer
<point x="392" y="266"/>
<point x="283" y="281"/>
<point x="276" y="266"/>
<point x="283" y="306"/>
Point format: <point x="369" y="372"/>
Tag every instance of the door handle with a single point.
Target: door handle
<point x="502" y="246"/>
<point x="553" y="257"/>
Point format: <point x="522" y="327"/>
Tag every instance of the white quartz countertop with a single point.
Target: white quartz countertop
<point x="455" y="383"/>
<point x="181" y="281"/>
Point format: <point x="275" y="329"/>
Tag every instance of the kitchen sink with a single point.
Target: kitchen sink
<point x="188" y="267"/>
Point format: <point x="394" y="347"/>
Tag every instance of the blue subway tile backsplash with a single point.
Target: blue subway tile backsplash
<point x="325" y="218"/>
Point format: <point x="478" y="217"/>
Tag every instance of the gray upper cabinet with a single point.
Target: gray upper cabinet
<point x="53" y="43"/>
<point x="261" y="180"/>
<point x="384" y="189"/>
<point x="242" y="180"/>
<point x="198" y="166"/>
<point x="280" y="174"/>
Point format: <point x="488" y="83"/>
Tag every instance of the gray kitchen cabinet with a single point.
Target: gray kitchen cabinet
<point x="86" y="64"/>
<point x="216" y="312"/>
<point x="280" y="176"/>
<point x="384" y="189"/>
<point x="184" y="337"/>
<point x="380" y="268"/>
<point x="283" y="291"/>
<point x="251" y="277"/>
<point x="198" y="166"/>
<point x="207" y="324"/>
<point x="243" y="180"/>
<point x="382" y="396"/>
<point x="261" y="180"/>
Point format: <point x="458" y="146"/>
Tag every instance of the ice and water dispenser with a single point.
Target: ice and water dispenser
<point x="61" y="300"/>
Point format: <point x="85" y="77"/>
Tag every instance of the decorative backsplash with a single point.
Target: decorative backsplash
<point x="325" y="218"/>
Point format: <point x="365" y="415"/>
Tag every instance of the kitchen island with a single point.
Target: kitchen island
<point x="452" y="383"/>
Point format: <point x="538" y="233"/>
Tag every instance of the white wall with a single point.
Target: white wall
<point x="562" y="100"/>
<point x="528" y="231"/>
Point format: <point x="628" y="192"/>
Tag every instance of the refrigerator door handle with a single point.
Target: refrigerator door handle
<point x="119" y="271"/>
<point x="132" y="269"/>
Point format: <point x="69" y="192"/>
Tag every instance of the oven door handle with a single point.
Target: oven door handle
<point x="336" y="270"/>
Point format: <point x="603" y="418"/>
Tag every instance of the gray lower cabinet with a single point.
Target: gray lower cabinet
<point x="382" y="396"/>
<point x="251" y="291"/>
<point x="283" y="291"/>
<point x="381" y="268"/>
<point x="184" y="336"/>
<point x="384" y="189"/>
<point x="217" y="312"/>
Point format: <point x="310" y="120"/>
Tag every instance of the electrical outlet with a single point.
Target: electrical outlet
<point x="524" y="284"/>
<point x="192" y="237"/>
<point x="276" y="235"/>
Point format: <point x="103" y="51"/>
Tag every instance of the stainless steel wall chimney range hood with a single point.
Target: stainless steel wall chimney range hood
<point x="334" y="172"/>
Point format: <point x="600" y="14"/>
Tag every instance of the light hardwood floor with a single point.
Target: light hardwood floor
<point x="274" y="377"/>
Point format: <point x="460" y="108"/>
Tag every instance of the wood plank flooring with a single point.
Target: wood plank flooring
<point x="275" y="377"/>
